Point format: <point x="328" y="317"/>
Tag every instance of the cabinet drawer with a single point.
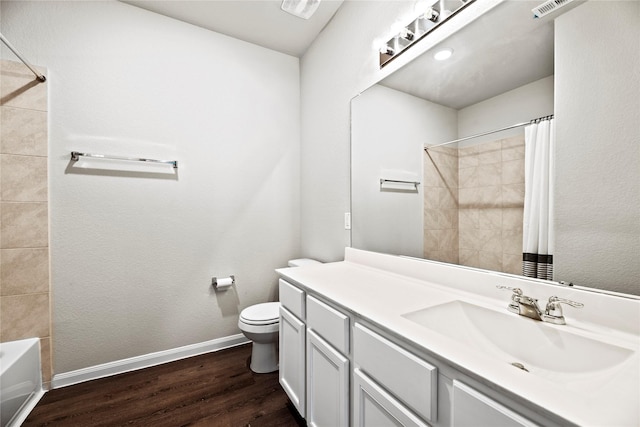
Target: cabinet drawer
<point x="292" y="299"/>
<point x="374" y="406"/>
<point x="472" y="408"/>
<point x="410" y="379"/>
<point x="329" y="323"/>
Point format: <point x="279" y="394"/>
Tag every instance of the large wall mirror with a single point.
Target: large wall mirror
<point x="464" y="202"/>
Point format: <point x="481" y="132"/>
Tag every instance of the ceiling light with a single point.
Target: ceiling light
<point x="443" y="54"/>
<point x="300" y="8"/>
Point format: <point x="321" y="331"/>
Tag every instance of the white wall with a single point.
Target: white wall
<point x="341" y="63"/>
<point x="519" y="105"/>
<point x="598" y="151"/>
<point x="132" y="254"/>
<point x="388" y="132"/>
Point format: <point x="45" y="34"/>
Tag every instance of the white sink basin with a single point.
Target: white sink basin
<point x="515" y="339"/>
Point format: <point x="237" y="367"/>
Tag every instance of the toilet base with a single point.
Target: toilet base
<point x="264" y="357"/>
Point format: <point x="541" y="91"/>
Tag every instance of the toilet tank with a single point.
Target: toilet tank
<point x="303" y="262"/>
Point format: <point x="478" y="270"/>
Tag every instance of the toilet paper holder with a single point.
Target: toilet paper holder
<point x="223" y="283"/>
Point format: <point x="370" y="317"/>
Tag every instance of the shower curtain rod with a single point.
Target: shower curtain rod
<point x="532" y="121"/>
<point x="39" y="76"/>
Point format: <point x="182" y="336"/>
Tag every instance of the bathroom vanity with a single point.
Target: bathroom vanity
<point x="384" y="340"/>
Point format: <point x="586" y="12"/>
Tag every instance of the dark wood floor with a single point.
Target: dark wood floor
<point x="216" y="389"/>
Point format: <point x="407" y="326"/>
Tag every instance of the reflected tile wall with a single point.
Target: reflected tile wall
<point x="24" y="235"/>
<point x="483" y="187"/>
<point x="492" y="204"/>
<point x="441" y="204"/>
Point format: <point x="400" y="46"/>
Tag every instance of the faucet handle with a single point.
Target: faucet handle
<point x="514" y="306"/>
<point x="516" y="291"/>
<point x="553" y="312"/>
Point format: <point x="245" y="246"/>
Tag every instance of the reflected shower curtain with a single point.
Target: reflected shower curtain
<point x="538" y="233"/>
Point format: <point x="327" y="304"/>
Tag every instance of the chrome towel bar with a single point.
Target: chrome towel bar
<point x="393" y="181"/>
<point x="75" y="156"/>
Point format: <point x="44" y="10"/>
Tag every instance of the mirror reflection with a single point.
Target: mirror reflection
<point x="458" y="128"/>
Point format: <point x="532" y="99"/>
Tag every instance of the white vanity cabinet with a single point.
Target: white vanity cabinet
<point x="472" y="408"/>
<point x="340" y="370"/>
<point x="314" y="362"/>
<point x="292" y="342"/>
<point x="327" y="365"/>
<point x="374" y="406"/>
<point x="402" y="384"/>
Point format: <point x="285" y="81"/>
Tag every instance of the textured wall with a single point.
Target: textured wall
<point x="598" y="149"/>
<point x="24" y="236"/>
<point x="133" y="247"/>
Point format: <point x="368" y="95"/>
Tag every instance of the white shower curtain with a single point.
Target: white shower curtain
<point x="538" y="232"/>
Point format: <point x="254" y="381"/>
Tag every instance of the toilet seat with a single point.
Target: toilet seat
<point x="267" y="313"/>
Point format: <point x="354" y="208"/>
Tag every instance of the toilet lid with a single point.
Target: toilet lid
<point x="261" y="314"/>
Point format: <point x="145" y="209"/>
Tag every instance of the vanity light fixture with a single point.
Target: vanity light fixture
<point x="428" y="19"/>
<point x="300" y="8"/>
<point x="443" y="54"/>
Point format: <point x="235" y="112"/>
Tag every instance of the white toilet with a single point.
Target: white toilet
<point x="260" y="323"/>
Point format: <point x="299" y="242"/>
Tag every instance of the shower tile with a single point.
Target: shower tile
<point x="432" y="219"/>
<point x="490" y="260"/>
<point x="24" y="271"/>
<point x="19" y="87"/>
<point x="513" y="195"/>
<point x="512" y="263"/>
<point x="432" y="175"/>
<point x="490" y="219"/>
<point x="469" y="198"/>
<point x="489" y="197"/>
<point x="489" y="174"/>
<point x="468" y="157"/>
<point x="468" y="177"/>
<point x="25" y="316"/>
<point x="23" y="131"/>
<point x="470" y="258"/>
<point x="24" y="178"/>
<point x="431" y="198"/>
<point x="490" y="152"/>
<point x="430" y="240"/>
<point x="490" y="241"/>
<point x="513" y="148"/>
<point x="449" y="198"/>
<point x="512" y="242"/>
<point x="448" y="240"/>
<point x="512" y="219"/>
<point x="468" y="219"/>
<point x="440" y="198"/>
<point x="45" y="358"/>
<point x="513" y="172"/>
<point x="23" y="225"/>
<point x="468" y="239"/>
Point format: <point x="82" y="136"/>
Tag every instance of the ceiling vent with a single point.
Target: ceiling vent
<point x="548" y="7"/>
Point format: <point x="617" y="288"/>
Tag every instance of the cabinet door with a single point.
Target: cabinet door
<point x="472" y="409"/>
<point x="374" y="407"/>
<point x="327" y="384"/>
<point x="412" y="381"/>
<point x="292" y="359"/>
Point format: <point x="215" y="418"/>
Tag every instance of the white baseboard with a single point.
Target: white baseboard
<point x="145" y="361"/>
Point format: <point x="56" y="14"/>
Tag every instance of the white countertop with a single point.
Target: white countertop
<point x="609" y="397"/>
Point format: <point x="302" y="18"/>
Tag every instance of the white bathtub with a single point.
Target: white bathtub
<point x="20" y="380"/>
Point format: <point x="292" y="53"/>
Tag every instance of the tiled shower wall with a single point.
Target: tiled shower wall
<point x="441" y="205"/>
<point x="24" y="237"/>
<point x="484" y="185"/>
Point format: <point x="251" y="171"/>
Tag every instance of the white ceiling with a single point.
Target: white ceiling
<point x="261" y="22"/>
<point x="502" y="50"/>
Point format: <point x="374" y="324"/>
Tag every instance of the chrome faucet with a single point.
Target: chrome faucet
<point x="528" y="307"/>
